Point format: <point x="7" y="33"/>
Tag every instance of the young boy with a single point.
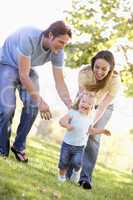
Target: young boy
<point x="77" y="122"/>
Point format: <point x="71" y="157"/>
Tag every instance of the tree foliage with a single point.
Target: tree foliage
<point x="96" y="25"/>
<point x="127" y="72"/>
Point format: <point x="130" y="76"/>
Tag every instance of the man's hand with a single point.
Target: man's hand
<point x="44" y="110"/>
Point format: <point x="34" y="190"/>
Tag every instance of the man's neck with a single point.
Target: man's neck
<point x="45" y="44"/>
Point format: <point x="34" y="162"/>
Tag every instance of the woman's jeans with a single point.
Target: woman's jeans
<point x="91" y="150"/>
<point x="9" y="82"/>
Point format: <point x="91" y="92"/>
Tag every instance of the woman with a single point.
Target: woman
<point x="101" y="77"/>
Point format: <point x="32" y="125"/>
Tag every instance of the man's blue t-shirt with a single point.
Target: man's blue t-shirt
<point x="28" y="42"/>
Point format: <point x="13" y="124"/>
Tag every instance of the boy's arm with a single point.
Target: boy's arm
<point x="95" y="131"/>
<point x="65" y="122"/>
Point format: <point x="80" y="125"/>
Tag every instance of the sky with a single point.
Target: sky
<point x="40" y="13"/>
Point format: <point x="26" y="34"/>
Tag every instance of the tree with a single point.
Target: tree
<point x="97" y="24"/>
<point x="127" y="72"/>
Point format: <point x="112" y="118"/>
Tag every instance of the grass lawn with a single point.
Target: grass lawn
<point x="37" y="180"/>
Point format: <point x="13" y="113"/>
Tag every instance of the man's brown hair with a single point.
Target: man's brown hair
<point x="58" y="28"/>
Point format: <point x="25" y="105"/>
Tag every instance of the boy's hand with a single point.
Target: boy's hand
<point x="70" y="127"/>
<point x="106" y="132"/>
<point x="95" y="131"/>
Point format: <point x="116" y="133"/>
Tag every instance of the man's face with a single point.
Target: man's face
<point x="57" y="43"/>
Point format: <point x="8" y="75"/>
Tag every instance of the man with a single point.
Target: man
<point x="21" y="51"/>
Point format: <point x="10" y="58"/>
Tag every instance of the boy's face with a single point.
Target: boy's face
<point x="87" y="102"/>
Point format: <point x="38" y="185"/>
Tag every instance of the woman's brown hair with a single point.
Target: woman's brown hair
<point x="100" y="84"/>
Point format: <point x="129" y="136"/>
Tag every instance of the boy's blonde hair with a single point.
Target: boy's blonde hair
<point x="78" y="98"/>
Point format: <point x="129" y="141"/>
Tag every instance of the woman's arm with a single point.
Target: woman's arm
<point x="65" y="122"/>
<point x="102" y="108"/>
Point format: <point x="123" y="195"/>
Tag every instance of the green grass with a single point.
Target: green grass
<point x="37" y="180"/>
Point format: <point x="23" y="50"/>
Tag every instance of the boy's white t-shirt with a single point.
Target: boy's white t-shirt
<point x="81" y="122"/>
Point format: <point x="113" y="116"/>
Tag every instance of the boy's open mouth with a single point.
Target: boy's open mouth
<point x="85" y="108"/>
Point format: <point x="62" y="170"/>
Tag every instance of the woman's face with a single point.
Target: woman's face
<point x="101" y="69"/>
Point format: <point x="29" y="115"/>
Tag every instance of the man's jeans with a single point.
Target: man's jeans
<point x="9" y="82"/>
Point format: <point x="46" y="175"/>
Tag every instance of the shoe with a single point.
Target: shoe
<point x="62" y="179"/>
<point x="20" y="156"/>
<point x="75" y="176"/>
<point x="86" y="185"/>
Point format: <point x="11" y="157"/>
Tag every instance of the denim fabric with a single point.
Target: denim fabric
<point x="9" y="82"/>
<point x="92" y="148"/>
<point x="71" y="154"/>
